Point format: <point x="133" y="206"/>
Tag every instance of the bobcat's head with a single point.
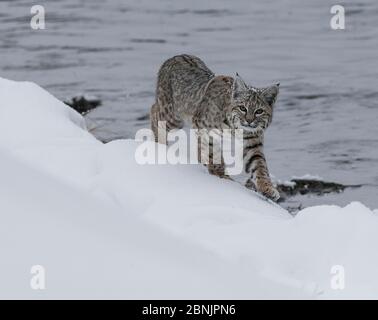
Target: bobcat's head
<point x="252" y="108"/>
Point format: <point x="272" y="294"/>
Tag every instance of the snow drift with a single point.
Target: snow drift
<point x="105" y="227"/>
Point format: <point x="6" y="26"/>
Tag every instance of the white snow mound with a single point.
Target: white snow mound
<point x="103" y="226"/>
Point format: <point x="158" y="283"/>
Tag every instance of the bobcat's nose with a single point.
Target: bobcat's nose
<point x="249" y="119"/>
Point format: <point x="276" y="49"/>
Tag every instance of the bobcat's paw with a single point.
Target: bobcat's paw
<point x="266" y="188"/>
<point x="273" y="194"/>
<point x="250" y="185"/>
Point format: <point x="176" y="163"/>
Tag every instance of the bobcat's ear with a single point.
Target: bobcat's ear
<point x="270" y="94"/>
<point x="238" y="86"/>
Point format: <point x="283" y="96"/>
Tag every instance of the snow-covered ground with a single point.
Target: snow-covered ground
<point x="103" y="226"/>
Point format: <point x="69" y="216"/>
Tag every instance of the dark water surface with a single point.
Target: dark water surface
<point x="326" y="119"/>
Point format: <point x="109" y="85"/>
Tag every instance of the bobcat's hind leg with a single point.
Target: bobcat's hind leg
<point x="154" y="120"/>
<point x="163" y="120"/>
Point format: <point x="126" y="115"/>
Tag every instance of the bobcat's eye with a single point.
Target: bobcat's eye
<point x="259" y="112"/>
<point x="243" y="109"/>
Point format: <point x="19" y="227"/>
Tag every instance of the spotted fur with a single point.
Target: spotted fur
<point x="188" y="90"/>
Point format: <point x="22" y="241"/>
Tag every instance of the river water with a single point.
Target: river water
<point x="326" y="118"/>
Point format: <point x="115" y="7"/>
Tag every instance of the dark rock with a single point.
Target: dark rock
<point x="82" y="104"/>
<point x="308" y="186"/>
<point x="144" y="117"/>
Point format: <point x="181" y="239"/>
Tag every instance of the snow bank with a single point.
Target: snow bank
<point x="105" y="227"/>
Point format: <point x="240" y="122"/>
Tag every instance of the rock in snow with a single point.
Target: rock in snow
<point x="103" y="226"/>
<point x="83" y="104"/>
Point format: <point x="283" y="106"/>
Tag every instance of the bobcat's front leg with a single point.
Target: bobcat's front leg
<point x="255" y="165"/>
<point x="210" y="154"/>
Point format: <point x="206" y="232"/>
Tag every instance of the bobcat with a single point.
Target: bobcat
<point x="188" y="90"/>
